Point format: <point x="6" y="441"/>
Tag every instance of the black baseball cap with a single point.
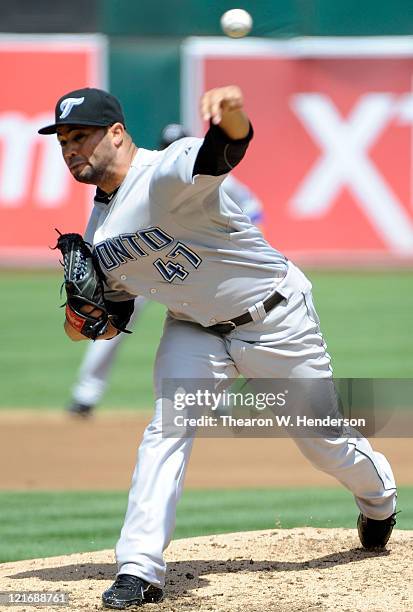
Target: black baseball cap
<point x="87" y="106"/>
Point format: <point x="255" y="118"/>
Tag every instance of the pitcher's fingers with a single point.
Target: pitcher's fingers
<point x="205" y="107"/>
<point x="217" y="103"/>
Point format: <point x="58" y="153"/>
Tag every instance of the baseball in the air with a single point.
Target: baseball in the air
<point x="236" y="23"/>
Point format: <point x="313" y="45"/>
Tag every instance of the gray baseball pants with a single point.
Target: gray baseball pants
<point x="286" y="343"/>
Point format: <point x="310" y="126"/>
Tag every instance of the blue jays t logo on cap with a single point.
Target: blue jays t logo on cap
<point x="67" y="105"/>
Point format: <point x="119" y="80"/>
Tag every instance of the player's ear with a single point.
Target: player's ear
<point x="117" y="132"/>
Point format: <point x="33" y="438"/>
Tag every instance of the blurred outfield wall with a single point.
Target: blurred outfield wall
<point x="143" y="67"/>
<point x="145" y="40"/>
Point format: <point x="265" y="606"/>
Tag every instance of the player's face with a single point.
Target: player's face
<point x="87" y="151"/>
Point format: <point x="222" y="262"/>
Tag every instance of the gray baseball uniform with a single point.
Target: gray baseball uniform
<point x="99" y="356"/>
<point x="190" y="233"/>
<point x="179" y="239"/>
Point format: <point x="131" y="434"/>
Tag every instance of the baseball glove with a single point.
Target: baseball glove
<point x="84" y="291"/>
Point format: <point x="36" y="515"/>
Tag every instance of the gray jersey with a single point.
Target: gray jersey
<point x="181" y="240"/>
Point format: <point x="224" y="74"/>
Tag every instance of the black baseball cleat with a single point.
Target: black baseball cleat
<point x="375" y="534"/>
<point x="79" y="409"/>
<point x="128" y="590"/>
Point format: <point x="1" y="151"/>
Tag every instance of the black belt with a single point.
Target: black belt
<point x="224" y="327"/>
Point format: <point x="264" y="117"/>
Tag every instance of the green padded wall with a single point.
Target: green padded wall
<point x="280" y="17"/>
<point x="145" y="36"/>
<point x="145" y="76"/>
<point x="362" y="18"/>
<point x="191" y="17"/>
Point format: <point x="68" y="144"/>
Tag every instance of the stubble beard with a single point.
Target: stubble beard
<point x="89" y="175"/>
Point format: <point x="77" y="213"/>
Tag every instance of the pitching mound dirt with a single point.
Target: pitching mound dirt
<point x="281" y="571"/>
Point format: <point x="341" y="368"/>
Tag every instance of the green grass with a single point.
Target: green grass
<point x="41" y="524"/>
<point x="367" y="319"/>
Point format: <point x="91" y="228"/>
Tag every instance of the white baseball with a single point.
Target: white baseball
<point x="236" y="23"/>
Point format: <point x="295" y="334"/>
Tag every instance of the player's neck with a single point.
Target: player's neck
<point x="114" y="177"/>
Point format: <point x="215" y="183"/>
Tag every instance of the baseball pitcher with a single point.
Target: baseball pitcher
<point x="100" y="356"/>
<point x="162" y="227"/>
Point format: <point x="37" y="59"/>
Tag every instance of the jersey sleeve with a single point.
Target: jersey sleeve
<point x="178" y="162"/>
<point x="192" y="165"/>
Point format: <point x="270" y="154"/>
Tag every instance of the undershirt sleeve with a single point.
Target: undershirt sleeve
<point x="219" y="153"/>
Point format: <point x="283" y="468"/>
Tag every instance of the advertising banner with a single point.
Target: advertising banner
<point x="331" y="159"/>
<point x="37" y="193"/>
